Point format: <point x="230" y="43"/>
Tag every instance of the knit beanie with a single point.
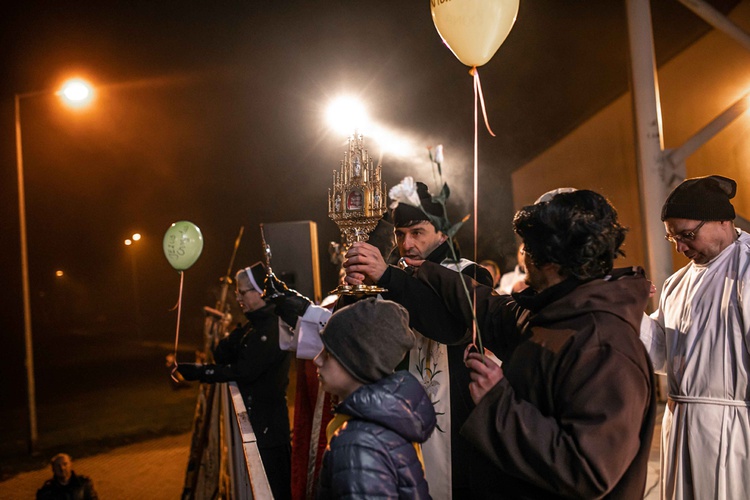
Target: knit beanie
<point x="257" y="275"/>
<point x="701" y="198"/>
<point x="405" y="215"/>
<point x="369" y="338"/>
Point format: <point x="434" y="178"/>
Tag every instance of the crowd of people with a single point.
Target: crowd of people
<point x="452" y="384"/>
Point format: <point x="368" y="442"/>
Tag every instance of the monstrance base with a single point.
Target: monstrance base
<point x="358" y="290"/>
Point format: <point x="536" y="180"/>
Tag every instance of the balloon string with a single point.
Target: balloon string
<point x="477" y="96"/>
<point x="177" y="332"/>
<point x="478" y="91"/>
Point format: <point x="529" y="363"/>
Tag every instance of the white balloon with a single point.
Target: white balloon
<point x="474" y="29"/>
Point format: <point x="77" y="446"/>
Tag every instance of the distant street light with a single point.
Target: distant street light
<point x="73" y="91"/>
<point x="136" y="297"/>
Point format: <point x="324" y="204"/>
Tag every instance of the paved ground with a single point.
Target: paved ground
<point x="153" y="469"/>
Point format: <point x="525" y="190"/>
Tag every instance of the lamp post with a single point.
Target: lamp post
<point x="73" y="91"/>
<point x="130" y="242"/>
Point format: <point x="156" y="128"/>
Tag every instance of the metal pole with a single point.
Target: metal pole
<point x="136" y="296"/>
<point x="718" y="20"/>
<point x="652" y="175"/>
<point x="31" y="391"/>
<point x="690" y="146"/>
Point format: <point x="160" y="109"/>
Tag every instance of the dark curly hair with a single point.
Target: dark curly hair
<point x="578" y="231"/>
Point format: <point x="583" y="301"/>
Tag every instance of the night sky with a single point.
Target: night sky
<point x="213" y="112"/>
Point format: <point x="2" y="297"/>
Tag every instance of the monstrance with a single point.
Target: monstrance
<point x="356" y="203"/>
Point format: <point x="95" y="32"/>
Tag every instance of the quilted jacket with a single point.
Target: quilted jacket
<point x="371" y="455"/>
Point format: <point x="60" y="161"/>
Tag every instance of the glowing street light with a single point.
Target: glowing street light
<point x="72" y="92"/>
<point x="77" y="92"/>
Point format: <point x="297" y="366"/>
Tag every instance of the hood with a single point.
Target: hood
<point x="623" y="293"/>
<point x="397" y="402"/>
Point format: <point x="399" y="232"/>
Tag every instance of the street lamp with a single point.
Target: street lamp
<point x="131" y="242"/>
<point x="73" y="91"/>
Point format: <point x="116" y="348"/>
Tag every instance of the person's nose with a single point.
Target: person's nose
<point x="318" y="361"/>
<point x="681" y="246"/>
<point x="408" y="242"/>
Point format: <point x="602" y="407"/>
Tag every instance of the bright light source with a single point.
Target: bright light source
<point x="77" y="92"/>
<point x="347" y="115"/>
<point x="136" y="236"/>
<point x="59" y="273"/>
<point x="393" y="143"/>
<point x="128" y="242"/>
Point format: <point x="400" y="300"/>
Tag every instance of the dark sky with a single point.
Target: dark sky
<point x="213" y="112"/>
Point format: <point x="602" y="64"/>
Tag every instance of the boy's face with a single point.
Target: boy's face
<point x="333" y="377"/>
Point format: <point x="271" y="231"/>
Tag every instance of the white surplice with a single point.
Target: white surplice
<point x="700" y="338"/>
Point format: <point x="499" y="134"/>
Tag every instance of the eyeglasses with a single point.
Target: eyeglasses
<point x="685" y="235"/>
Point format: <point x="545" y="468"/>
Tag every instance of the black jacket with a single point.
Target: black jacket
<point x="406" y="289"/>
<point x="78" y="488"/>
<point x="250" y="356"/>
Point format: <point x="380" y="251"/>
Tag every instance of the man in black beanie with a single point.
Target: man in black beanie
<point x="700" y="338"/>
<point x="451" y="464"/>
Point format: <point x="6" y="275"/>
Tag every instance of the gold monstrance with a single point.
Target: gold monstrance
<point x="356" y="203"/>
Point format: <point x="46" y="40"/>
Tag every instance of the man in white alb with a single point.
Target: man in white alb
<point x="700" y="337"/>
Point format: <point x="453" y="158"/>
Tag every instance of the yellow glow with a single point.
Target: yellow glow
<point x="347" y="115"/>
<point x="136" y="236"/>
<point x="77" y="92"/>
<point x="59" y="273"/>
<point x="128" y="242"/>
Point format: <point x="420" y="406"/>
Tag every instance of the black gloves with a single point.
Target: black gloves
<point x="290" y="306"/>
<point x="191" y="371"/>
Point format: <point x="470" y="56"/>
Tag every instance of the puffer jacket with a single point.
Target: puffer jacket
<point x="372" y="455"/>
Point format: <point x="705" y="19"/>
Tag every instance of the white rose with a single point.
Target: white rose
<point x="439" y="153"/>
<point x="405" y="192"/>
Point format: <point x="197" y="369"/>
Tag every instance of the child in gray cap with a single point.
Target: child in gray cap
<point x="383" y="417"/>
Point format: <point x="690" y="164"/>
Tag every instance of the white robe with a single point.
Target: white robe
<point x="700" y="338"/>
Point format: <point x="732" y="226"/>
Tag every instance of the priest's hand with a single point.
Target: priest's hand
<point x="364" y="264"/>
<point x="485" y="374"/>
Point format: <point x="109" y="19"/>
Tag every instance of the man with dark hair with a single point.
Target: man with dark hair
<point x="570" y="411"/>
<point x="448" y="458"/>
<point x="700" y="338"/>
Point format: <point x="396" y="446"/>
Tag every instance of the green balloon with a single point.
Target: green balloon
<point x="183" y="244"/>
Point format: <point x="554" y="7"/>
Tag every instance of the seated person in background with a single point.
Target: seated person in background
<point x="374" y="438"/>
<point x="65" y="483"/>
<point x="513" y="281"/>
<point x="250" y="356"/>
